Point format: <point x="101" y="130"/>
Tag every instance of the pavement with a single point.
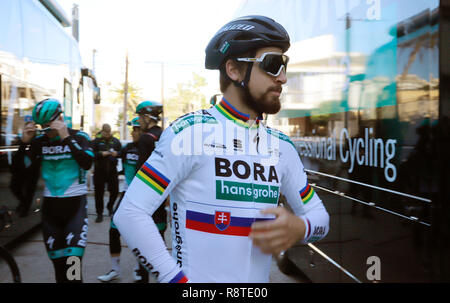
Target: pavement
<point x="36" y="267"/>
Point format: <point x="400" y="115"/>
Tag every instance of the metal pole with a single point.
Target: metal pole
<point x="162" y="93"/>
<point x="75" y="24"/>
<point x="94" y="51"/>
<point x="125" y="101"/>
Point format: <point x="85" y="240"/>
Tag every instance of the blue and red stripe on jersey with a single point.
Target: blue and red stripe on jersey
<point x="179" y="278"/>
<point x="238" y="226"/>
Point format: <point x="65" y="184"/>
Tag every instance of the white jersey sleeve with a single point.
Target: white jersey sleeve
<point x="302" y="198"/>
<point x="149" y="188"/>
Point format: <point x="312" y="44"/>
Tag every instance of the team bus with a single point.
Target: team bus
<point x="367" y="106"/>
<point x="38" y="60"/>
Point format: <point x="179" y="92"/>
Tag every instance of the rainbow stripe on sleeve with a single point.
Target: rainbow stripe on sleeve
<point x="153" y="178"/>
<point x="307" y="193"/>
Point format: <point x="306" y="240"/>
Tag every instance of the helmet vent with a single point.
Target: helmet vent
<point x="244" y="36"/>
<point x="265" y="24"/>
<point x="272" y="37"/>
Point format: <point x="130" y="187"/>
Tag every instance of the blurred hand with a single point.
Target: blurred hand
<point x="60" y="127"/>
<point x="29" y="131"/>
<point x="275" y="236"/>
<point x="114" y="154"/>
<point x="106" y="153"/>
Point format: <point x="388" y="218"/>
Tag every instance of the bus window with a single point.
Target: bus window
<point x="17" y="101"/>
<point x="68" y="101"/>
<point x="10" y="108"/>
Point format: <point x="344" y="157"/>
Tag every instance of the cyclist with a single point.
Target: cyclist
<point x="149" y="114"/>
<point x="225" y="170"/>
<point x="106" y="150"/>
<point x="63" y="155"/>
<point x="129" y="155"/>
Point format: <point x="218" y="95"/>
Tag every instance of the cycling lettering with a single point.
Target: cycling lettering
<point x="178" y="238"/>
<point x="83" y="235"/>
<point x="144" y="262"/>
<point x="242" y="170"/>
<point x="55" y="149"/>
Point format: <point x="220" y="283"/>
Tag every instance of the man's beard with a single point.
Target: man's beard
<point x="264" y="104"/>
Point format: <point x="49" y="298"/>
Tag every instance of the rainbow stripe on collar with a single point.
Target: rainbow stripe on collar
<point x="231" y="113"/>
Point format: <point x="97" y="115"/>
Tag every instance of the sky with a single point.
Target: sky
<point x="172" y="31"/>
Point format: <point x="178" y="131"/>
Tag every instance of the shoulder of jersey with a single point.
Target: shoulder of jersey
<point x="193" y="118"/>
<point x="39" y="137"/>
<point x="278" y="134"/>
<point x="129" y="145"/>
<point x="156" y="130"/>
<point x="82" y="134"/>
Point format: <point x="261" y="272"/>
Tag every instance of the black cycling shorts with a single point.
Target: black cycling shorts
<point x="65" y="226"/>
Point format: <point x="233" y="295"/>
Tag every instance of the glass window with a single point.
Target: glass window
<point x="17" y="101"/>
<point x="33" y="31"/>
<point x="361" y="106"/>
<point x="57" y="44"/>
<point x="10" y="28"/>
<point x="68" y="101"/>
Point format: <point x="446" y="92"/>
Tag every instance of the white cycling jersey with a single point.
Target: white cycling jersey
<point x="220" y="172"/>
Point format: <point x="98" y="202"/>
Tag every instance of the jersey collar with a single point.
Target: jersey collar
<point x="231" y="113"/>
<point x="54" y="139"/>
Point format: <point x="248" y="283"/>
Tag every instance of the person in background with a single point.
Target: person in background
<point x="149" y="115"/>
<point x="106" y="149"/>
<point x="129" y="155"/>
<point x="24" y="179"/>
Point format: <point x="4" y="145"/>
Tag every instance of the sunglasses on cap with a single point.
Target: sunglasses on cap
<point x="270" y="62"/>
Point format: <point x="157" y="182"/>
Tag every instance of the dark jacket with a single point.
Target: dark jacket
<point x="106" y="164"/>
<point x="146" y="144"/>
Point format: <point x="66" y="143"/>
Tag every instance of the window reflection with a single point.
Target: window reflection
<point x="363" y="70"/>
<point x="361" y="105"/>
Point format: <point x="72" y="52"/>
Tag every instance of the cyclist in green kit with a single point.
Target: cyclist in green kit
<point x="63" y="155"/>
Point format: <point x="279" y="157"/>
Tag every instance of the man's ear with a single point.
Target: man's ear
<point x="232" y="70"/>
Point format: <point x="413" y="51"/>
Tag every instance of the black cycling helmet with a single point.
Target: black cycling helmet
<point x="242" y="35"/>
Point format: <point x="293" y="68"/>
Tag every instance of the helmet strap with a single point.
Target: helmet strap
<point x="151" y="121"/>
<point x="248" y="98"/>
<point x="244" y="83"/>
